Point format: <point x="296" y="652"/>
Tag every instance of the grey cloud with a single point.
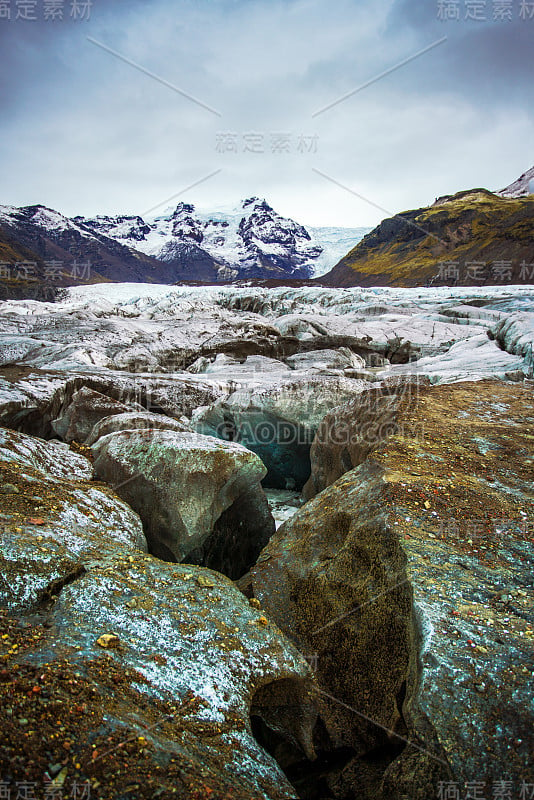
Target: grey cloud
<point x="84" y="132"/>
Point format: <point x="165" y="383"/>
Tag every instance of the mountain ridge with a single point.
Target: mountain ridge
<point x="472" y="238"/>
<point x="248" y="241"/>
<point x="521" y="187"/>
<point x="41" y="248"/>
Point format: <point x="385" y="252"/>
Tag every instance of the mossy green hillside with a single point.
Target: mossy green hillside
<point x="474" y="225"/>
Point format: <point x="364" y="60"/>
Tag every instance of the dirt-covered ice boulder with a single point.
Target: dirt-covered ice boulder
<point x="409" y="579"/>
<point x="52" y="527"/>
<point x="135" y="420"/>
<point x="180" y="484"/>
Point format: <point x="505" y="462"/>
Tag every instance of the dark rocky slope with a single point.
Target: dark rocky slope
<point x="472" y="226"/>
<point x="409" y="580"/>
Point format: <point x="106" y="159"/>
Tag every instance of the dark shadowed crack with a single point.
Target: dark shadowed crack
<point x="55" y="587"/>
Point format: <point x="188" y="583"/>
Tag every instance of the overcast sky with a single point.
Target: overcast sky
<point x="235" y="89"/>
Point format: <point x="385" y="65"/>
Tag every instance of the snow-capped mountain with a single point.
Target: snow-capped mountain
<point x="522" y="187"/>
<point x="248" y="241"/>
<point x="61" y="251"/>
<point x="41" y="248"/>
<point x="45" y="218"/>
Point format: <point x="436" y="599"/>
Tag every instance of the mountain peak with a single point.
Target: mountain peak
<point x="257" y="203"/>
<point x="249" y="240"/>
<point x="522" y="187"/>
<point x="183" y="208"/>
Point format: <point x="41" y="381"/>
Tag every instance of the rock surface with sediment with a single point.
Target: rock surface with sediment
<point x="180" y="484"/>
<point x="410" y="579"/>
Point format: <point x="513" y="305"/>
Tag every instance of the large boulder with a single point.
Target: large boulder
<point x="54" y="526"/>
<point x="135" y="420"/>
<point x="180" y="484"/>
<point x="124" y="675"/>
<point x="53" y="458"/>
<point x="334" y="579"/>
<point x="443" y="514"/>
<point x="142" y="679"/>
<point x="86" y="408"/>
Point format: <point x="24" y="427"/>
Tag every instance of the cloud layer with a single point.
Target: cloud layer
<point x="84" y="131"/>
